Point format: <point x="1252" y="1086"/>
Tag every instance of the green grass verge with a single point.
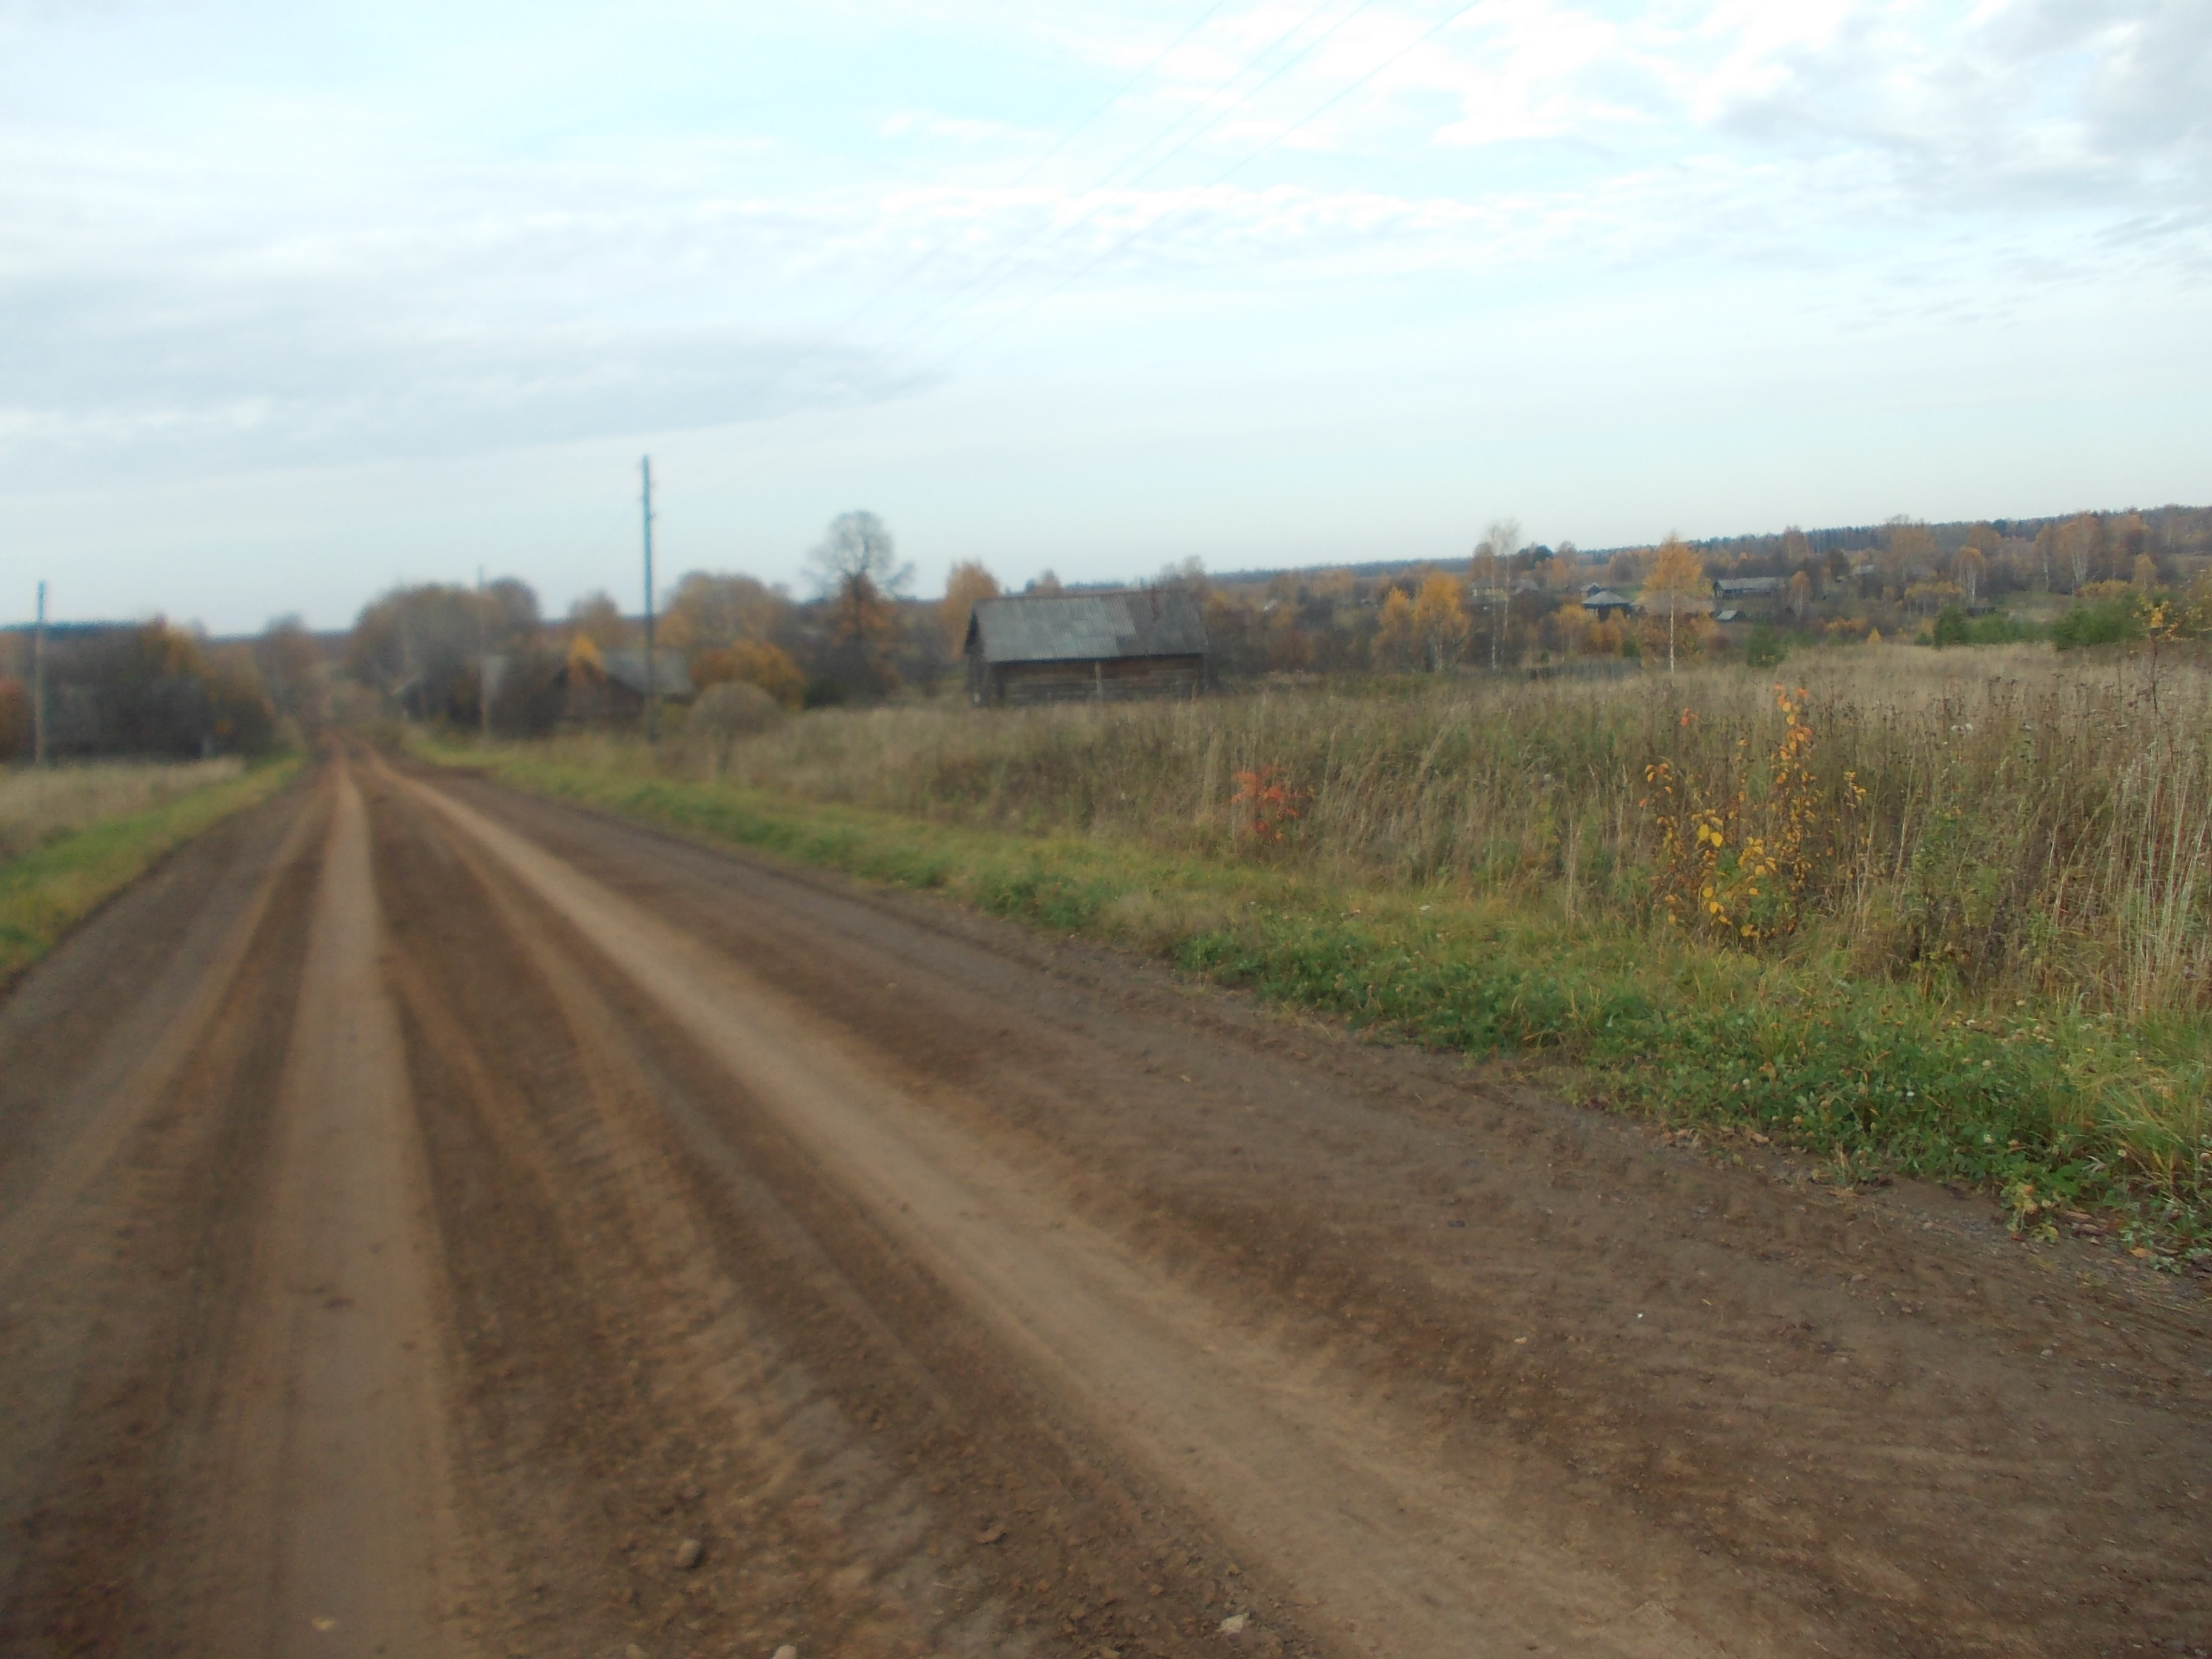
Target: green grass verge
<point x="48" y="891"/>
<point x="2054" y="1112"/>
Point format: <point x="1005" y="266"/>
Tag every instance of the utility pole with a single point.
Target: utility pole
<point x="651" y="687"/>
<point x="483" y="665"/>
<point x="39" y="685"/>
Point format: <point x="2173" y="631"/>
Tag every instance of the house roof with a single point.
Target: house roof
<point x="672" y="675"/>
<point x="1153" y="622"/>
<point x="1598" y="599"/>
<point x="1739" y="587"/>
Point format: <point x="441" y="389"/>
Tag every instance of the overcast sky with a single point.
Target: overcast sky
<point x="300" y="301"/>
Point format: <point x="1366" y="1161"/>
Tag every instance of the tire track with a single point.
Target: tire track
<point x="623" y="1393"/>
<point x="106" y="1320"/>
<point x="692" y="1333"/>
<point x="1405" y="1558"/>
<point x="330" y="1523"/>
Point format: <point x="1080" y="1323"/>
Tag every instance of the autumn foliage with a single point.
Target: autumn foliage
<point x="1736" y="857"/>
<point x="752" y="662"/>
<point x="1264" y="802"/>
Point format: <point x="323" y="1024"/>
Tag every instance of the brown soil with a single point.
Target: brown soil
<point x="433" y="1219"/>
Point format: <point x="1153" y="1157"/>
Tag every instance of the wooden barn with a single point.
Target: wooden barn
<point x="1069" y="647"/>
<point x="609" y="688"/>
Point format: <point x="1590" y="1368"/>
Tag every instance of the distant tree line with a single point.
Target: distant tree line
<point x="859" y="636"/>
<point x="1516" y="605"/>
<point x="420" y="650"/>
<point x="152" y="689"/>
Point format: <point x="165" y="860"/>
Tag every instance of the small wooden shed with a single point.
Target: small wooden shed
<point x="1070" y="647"/>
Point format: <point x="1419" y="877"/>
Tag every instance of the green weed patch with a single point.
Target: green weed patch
<point x="47" y="890"/>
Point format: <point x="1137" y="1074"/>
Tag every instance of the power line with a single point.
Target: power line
<point x="1128" y="87"/>
<point x="651" y="687"/>
<point x="839" y="423"/>
<point x="1220" y="178"/>
<point x="1010" y="263"/>
<point x="918" y="328"/>
<point x="929" y="258"/>
<point x="1252" y="63"/>
<point x="904" y="279"/>
<point x="997" y="271"/>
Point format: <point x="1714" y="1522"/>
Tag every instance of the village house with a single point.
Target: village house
<point x="613" y="689"/>
<point x="1741" y="590"/>
<point x="1070" y="647"/>
<point x="599" y="687"/>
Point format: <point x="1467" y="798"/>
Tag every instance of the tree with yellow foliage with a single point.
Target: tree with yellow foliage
<point x="1394" y="635"/>
<point x="711" y="611"/>
<point x="752" y="662"/>
<point x="1572" y="626"/>
<point x="964" y="584"/>
<point x="597" y="618"/>
<point x="1676" y="582"/>
<point x="1440" y="623"/>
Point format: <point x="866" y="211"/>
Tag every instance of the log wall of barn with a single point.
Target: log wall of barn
<point x="1109" y="680"/>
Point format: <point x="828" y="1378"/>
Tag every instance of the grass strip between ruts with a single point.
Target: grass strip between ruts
<point x="46" y="892"/>
<point x="2054" y="1112"/>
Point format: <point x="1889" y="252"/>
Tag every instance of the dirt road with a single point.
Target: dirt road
<point x="437" y="1221"/>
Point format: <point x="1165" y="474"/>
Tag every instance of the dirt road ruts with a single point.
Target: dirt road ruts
<point x="439" y="1220"/>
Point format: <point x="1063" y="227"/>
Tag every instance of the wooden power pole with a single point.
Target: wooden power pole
<point x="39" y="685"/>
<point x="483" y="665"/>
<point x="652" y="685"/>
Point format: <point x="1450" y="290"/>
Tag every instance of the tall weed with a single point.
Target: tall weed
<point x="2003" y="822"/>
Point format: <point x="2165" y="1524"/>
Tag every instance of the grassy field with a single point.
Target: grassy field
<point x="40" y="807"/>
<point x="70" y="836"/>
<point x="1941" y="912"/>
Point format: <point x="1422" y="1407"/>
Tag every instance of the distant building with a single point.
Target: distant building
<point x="1604" y="604"/>
<point x="612" y="688"/>
<point x="1749" y="587"/>
<point x="1073" y="648"/>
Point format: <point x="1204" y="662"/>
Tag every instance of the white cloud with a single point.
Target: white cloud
<point x="250" y="237"/>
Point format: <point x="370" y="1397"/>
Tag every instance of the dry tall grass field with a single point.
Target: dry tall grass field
<point x="42" y="804"/>
<point x="1998" y="820"/>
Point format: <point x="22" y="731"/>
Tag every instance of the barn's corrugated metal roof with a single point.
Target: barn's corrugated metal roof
<point x="1084" y="627"/>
